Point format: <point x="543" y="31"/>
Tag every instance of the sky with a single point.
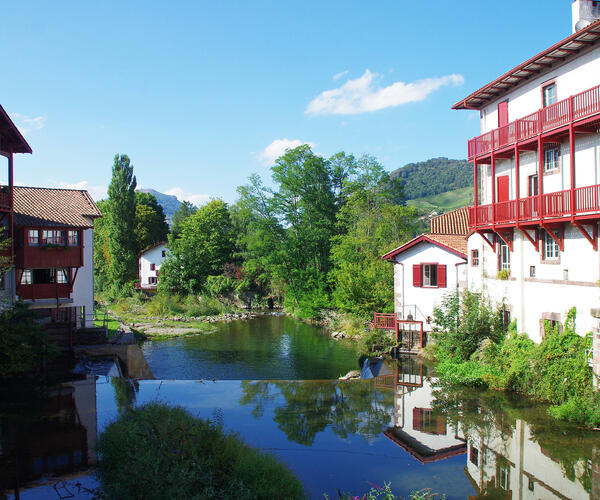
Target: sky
<point x="201" y="94"/>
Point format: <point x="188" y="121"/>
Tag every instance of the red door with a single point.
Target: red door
<point x="502" y="113"/>
<point x="502" y="191"/>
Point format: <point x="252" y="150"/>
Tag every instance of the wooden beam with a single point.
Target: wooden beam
<point x="559" y="238"/>
<point x="507" y="238"/>
<point x="593" y="238"/>
<point x="491" y="244"/>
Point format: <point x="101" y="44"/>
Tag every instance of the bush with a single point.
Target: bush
<point x="219" y="286"/>
<point x="157" y="451"/>
<point x="376" y="342"/>
<point x="23" y="344"/>
<point x="205" y="306"/>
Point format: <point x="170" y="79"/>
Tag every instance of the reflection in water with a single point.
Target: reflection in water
<point x="52" y="432"/>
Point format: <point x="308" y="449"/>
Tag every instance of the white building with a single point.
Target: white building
<point x="534" y="240"/>
<point x="150" y="261"/>
<point x="429" y="267"/>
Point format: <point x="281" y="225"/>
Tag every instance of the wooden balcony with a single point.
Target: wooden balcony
<point x="28" y="257"/>
<point x="44" y="291"/>
<point x="578" y="109"/>
<point x="556" y="205"/>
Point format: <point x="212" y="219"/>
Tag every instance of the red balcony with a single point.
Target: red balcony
<point x="575" y="109"/>
<point x="44" y="291"/>
<point x="28" y="257"/>
<point x="555" y="205"/>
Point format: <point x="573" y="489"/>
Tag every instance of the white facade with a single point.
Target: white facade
<point x="149" y="265"/>
<point x="419" y="301"/>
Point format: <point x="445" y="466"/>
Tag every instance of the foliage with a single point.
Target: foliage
<point x="503" y="274"/>
<point x="219" y="286"/>
<point x="150" y="223"/>
<point x="434" y="176"/>
<point x="461" y="324"/>
<point x="5" y="260"/>
<point x="181" y="214"/>
<point x="157" y="451"/>
<point x="443" y="202"/>
<point x="120" y="215"/>
<point x="376" y="342"/>
<point x="386" y="493"/>
<point x="205" y="245"/>
<point x="23" y="344"/>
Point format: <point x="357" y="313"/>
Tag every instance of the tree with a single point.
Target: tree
<point x="120" y="221"/>
<point x="150" y="222"/>
<point x="205" y="245"/>
<point x="5" y="258"/>
<point x="102" y="256"/>
<point x="181" y="214"/>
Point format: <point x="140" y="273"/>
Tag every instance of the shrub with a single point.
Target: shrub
<point x="157" y="451"/>
<point x="205" y="306"/>
<point x="219" y="286"/>
<point x="166" y="304"/>
<point x="376" y="342"/>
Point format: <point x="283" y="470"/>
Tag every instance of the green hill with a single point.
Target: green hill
<point x="434" y="176"/>
<point x="444" y="202"/>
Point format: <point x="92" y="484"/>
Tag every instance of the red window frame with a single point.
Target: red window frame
<point x="418" y="275"/>
<point x="474" y="258"/>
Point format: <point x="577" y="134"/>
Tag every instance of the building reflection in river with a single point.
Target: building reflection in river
<point x="506" y="456"/>
<point x="52" y="433"/>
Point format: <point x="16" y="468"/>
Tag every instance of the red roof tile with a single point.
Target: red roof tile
<point x="48" y="207"/>
<point x="454" y="222"/>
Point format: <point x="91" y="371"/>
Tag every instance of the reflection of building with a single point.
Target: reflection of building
<point x="425" y="434"/>
<point x="61" y="438"/>
<point x="522" y="468"/>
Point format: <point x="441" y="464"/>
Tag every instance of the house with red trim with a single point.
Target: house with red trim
<point x="536" y="165"/>
<point x="429" y="266"/>
<point x="150" y="261"/>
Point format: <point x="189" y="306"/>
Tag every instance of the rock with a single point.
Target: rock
<point x="351" y="375"/>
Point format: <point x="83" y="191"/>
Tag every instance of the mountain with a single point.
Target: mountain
<point x="434" y="176"/>
<point x="168" y="202"/>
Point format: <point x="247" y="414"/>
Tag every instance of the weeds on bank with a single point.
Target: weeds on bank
<point x="386" y="493"/>
<point x="556" y="370"/>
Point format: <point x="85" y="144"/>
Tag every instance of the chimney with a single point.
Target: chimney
<point x="584" y="13"/>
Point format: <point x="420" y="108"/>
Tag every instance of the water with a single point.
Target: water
<point x="268" y="348"/>
<point x="401" y="427"/>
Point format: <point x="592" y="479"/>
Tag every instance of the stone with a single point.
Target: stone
<point x="351" y="375"/>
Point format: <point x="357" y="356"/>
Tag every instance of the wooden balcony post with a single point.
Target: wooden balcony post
<point x="572" y="158"/>
<point x="540" y="146"/>
<point x="475" y="188"/>
<point x="493" y="188"/>
<point x="517" y="182"/>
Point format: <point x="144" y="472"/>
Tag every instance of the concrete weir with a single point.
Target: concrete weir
<point x="130" y="356"/>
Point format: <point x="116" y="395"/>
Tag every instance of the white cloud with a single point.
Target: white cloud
<point x="26" y="124"/>
<point x="361" y="95"/>
<point x="337" y="76"/>
<point x="194" y="198"/>
<point x="96" y="192"/>
<point x="278" y="148"/>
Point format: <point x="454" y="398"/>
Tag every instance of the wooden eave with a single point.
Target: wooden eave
<point x="11" y="140"/>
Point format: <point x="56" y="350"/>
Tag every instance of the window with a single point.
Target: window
<point x="531" y="485"/>
<point x="532" y="271"/>
<point x="503" y="476"/>
<point x="551" y="159"/>
<point x="53" y="237"/>
<point x="474" y="258"/>
<point x="551" y="250"/>
<point x="430" y="275"/>
<point x="26" y="277"/>
<point x="533" y="185"/>
<point x="474" y="455"/>
<point x="73" y="238"/>
<point x="548" y="95"/>
<point x="505" y="318"/>
<point x="62" y="275"/>
<point x="152" y="280"/>
<point x="33" y="238"/>
<point x="425" y="421"/>
<point x="152" y="267"/>
<point x="164" y="253"/>
<point x="503" y="257"/>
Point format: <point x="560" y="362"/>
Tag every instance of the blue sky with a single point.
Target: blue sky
<point x="202" y="94"/>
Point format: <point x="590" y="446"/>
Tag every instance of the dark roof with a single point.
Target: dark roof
<point x="11" y="140"/>
<point x="49" y="207"/>
<point x="565" y="50"/>
<point x="454" y="222"/>
<point x="420" y="451"/>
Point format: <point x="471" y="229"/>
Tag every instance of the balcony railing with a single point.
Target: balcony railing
<point x="553" y="205"/>
<point x="577" y="107"/>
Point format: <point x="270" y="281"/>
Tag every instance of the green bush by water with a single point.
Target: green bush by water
<point x="157" y="451"/>
<point x="556" y="370"/>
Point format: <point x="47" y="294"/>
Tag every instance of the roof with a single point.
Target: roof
<point x="49" y="207"/>
<point x="454" y="222"/>
<point x="453" y="243"/>
<point x="11" y="139"/>
<point x="420" y="451"/>
<point x="567" y="49"/>
<point x="152" y="247"/>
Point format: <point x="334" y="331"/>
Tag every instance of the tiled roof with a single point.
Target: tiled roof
<point x="454" y="241"/>
<point x="454" y="222"/>
<point x="48" y="207"/>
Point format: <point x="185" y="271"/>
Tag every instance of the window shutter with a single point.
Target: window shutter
<point x="441" y="425"/>
<point x="417" y="419"/>
<point x="418" y="275"/>
<point x="441" y="275"/>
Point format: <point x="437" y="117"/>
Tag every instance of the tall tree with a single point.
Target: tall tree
<point x="121" y="222"/>
<point x="150" y="222"/>
<point x="205" y="245"/>
<point x="102" y="256"/>
<point x="181" y="214"/>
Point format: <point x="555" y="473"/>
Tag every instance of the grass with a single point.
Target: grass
<point x="158" y="451"/>
<point x="444" y="201"/>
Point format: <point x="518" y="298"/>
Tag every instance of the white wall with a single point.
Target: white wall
<point x="405" y="294"/>
<point x="152" y="256"/>
<point x="570" y="281"/>
<point x="83" y="288"/>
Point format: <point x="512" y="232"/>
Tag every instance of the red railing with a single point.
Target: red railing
<point x="384" y="321"/>
<point x="557" y="204"/>
<point x="582" y="105"/>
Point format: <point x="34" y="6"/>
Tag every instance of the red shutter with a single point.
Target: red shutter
<point x="441" y="275"/>
<point x="441" y="426"/>
<point x="502" y="113"/>
<point x="417" y="274"/>
<point x="417" y="419"/>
